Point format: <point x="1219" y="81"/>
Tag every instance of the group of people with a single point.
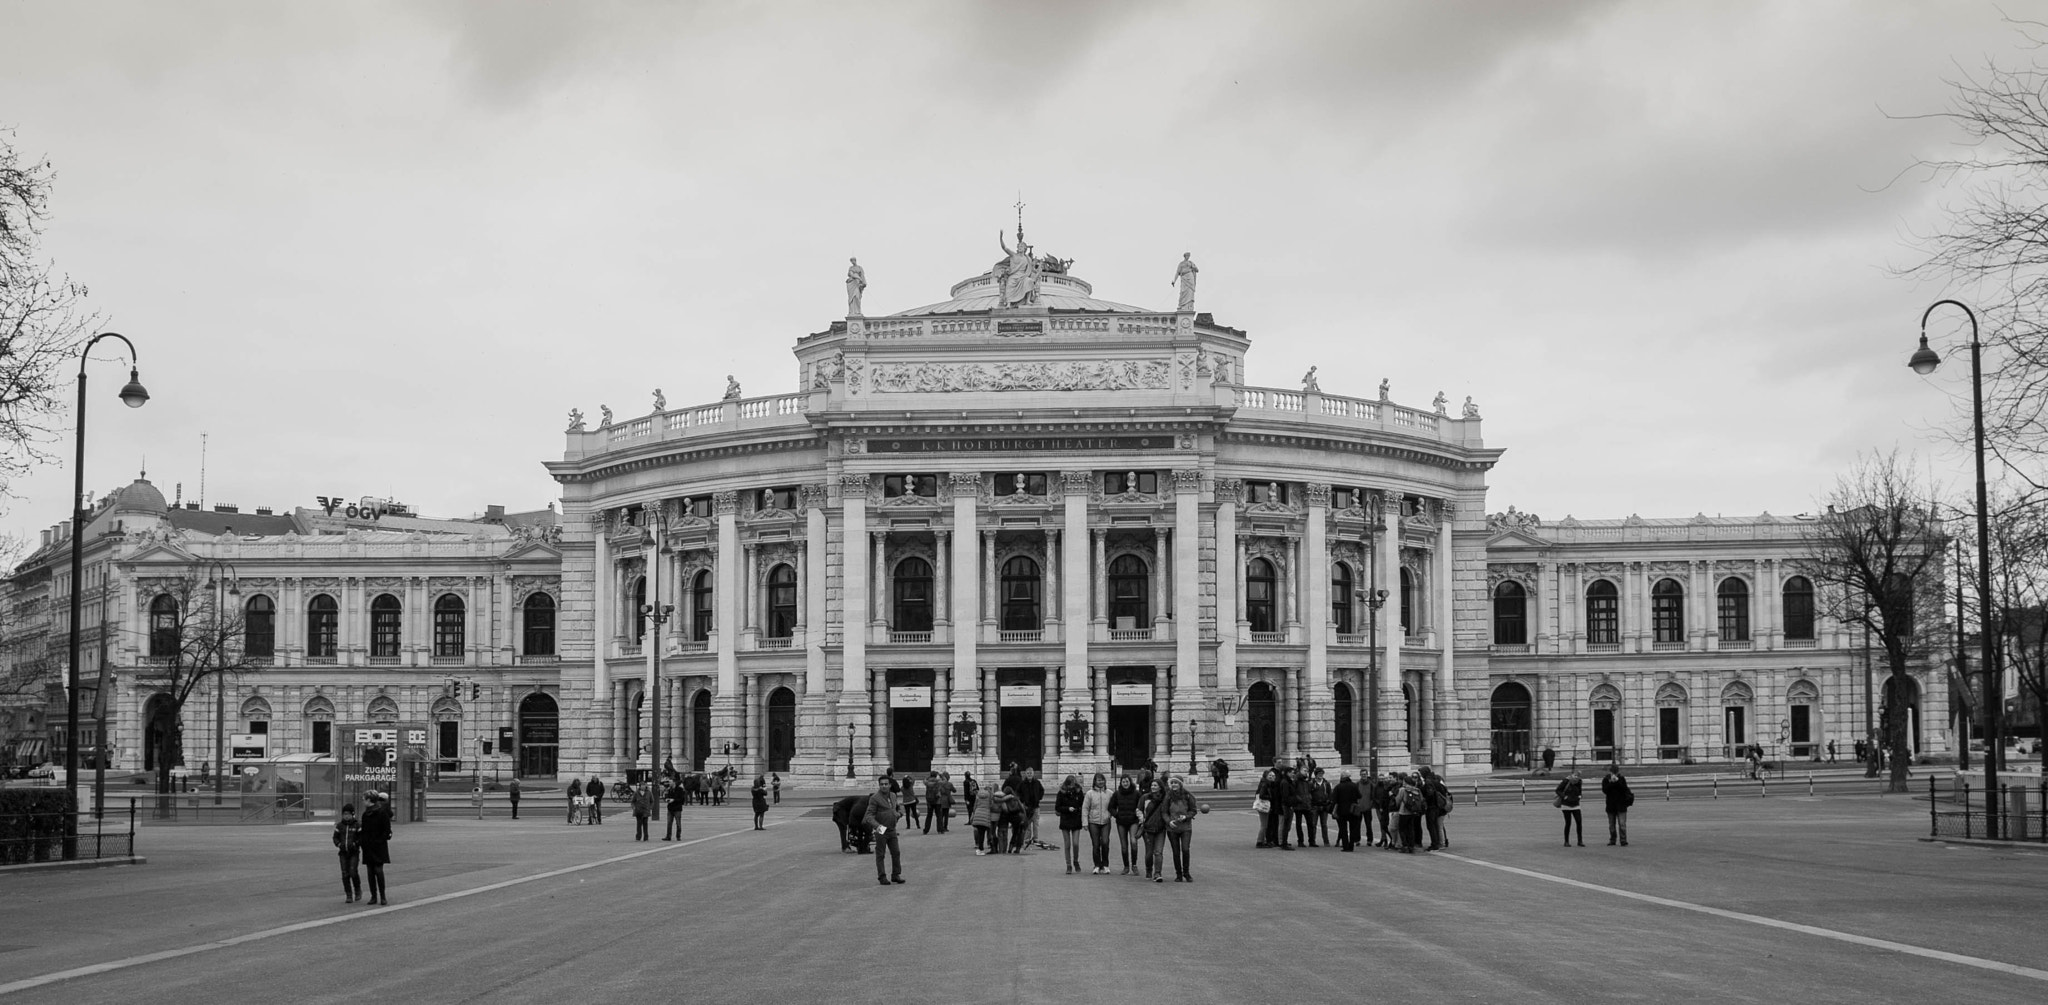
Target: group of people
<point x="1614" y="792"/>
<point x="1296" y="803"/>
<point x="365" y="841"/>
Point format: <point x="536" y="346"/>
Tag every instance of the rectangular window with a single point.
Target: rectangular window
<point x="1120" y="482"/>
<point x="1012" y="484"/>
<point x="1343" y="498"/>
<point x="1798" y="615"/>
<point x="1667" y="727"/>
<point x="699" y="507"/>
<point x="323" y="736"/>
<point x="1802" y="724"/>
<point x="322" y="630"/>
<point x="1603" y="619"/>
<point x="259" y="726"/>
<point x="779" y="498"/>
<point x="384" y="633"/>
<point x="897" y="486"/>
<point x="1734" y="617"/>
<point x="448" y="640"/>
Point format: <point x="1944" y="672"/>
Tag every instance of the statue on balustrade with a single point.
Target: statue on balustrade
<point x="1184" y="274"/>
<point x="856" y="283"/>
<point x="732" y="387"/>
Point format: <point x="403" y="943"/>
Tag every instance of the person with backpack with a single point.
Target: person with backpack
<point x="575" y="798"/>
<point x="513" y="793"/>
<point x="983" y="816"/>
<point x="1408" y="809"/>
<point x="1567" y="799"/>
<point x="347" y="845"/>
<point x="1347" y="800"/>
<point x="1436" y="798"/>
<point x="1619" y="799"/>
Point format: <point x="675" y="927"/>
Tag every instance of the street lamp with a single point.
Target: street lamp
<point x="657" y="613"/>
<point x="132" y="395"/>
<point x="1375" y="598"/>
<point x="1923" y="362"/>
<point x="849" y="750"/>
<point x="223" y="575"/>
<point x="1191" y="749"/>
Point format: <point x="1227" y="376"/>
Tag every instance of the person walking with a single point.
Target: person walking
<point x="775" y="787"/>
<point x="1123" y="810"/>
<point x="938" y="801"/>
<point x="1180" y="812"/>
<point x="1031" y="793"/>
<point x="348" y="847"/>
<point x="907" y="791"/>
<point x="476" y="799"/>
<point x="677" y="796"/>
<point x="1066" y="805"/>
<point x="1219" y="773"/>
<point x="375" y="839"/>
<point x="512" y="792"/>
<point x="643" y="807"/>
<point x="981" y="815"/>
<point x="1262" y="804"/>
<point x="595" y="790"/>
<point x="885" y="808"/>
<point x="968" y="789"/>
<point x="760" y="803"/>
<point x="575" y="797"/>
<point x="1568" y="792"/>
<point x="1345" y="798"/>
<point x="1549" y="760"/>
<point x="1619" y="799"/>
<point x="1095" y="816"/>
<point x="1152" y="811"/>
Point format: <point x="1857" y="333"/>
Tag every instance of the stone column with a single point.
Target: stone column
<point x="988" y="579"/>
<point x="988" y="739"/>
<point x="1319" y="725"/>
<point x="1764" y="627"/>
<point x="1074" y="565"/>
<point x="601" y="621"/>
<point x="1290" y="589"/>
<point x="750" y="593"/>
<point x="878" y="719"/>
<point x="854" y="598"/>
<point x="880" y="589"/>
<point x="1229" y="584"/>
<point x="1445" y="745"/>
<point x="942" y="738"/>
<point x="966" y="602"/>
<point x="942" y="582"/>
<point x="1162" y="569"/>
<point x="1098" y="680"/>
<point x="729" y="605"/>
<point x="1053" y="597"/>
<point x="1393" y="724"/>
<point x="1101" y="578"/>
<point x="814" y="734"/>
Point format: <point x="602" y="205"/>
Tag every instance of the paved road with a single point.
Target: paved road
<point x="1812" y="894"/>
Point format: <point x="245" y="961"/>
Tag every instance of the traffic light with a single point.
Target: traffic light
<point x="475" y="690"/>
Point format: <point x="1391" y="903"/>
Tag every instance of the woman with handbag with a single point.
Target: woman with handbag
<point x="1568" y="792"/>
<point x="1180" y="813"/>
<point x="981" y="815"/>
<point x="1067" y="805"/>
<point x="1123" y="808"/>
<point x="1152" y="810"/>
<point x="1262" y="804"/>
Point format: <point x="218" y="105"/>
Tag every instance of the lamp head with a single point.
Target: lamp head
<point x="133" y="394"/>
<point x="1924" y="360"/>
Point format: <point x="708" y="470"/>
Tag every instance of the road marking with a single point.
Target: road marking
<point x="1757" y="919"/>
<point x="172" y="954"/>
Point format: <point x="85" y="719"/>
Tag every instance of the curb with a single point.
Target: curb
<point x="82" y="863"/>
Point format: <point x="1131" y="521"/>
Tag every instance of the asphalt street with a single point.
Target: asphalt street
<point x="1785" y="898"/>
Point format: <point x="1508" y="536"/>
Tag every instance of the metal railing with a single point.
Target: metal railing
<point x="59" y="837"/>
<point x="2022" y="812"/>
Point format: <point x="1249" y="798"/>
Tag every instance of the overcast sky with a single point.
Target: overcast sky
<point x="383" y="248"/>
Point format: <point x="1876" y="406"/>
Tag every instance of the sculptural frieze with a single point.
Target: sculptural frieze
<point x="1069" y="375"/>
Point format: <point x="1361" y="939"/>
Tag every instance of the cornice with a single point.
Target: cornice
<point x="629" y="465"/>
<point x="1478" y="460"/>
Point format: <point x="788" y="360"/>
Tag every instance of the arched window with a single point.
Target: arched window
<point x="323" y="627"/>
<point x="1732" y="600"/>
<point x="1798" y="595"/>
<point x="163" y="626"/>
<point x="1510" y="615"/>
<point x="1603" y="613"/>
<point x="782" y="601"/>
<point x="1667" y="611"/>
<point x="1020" y="596"/>
<point x="319" y="713"/>
<point x="639" y="602"/>
<point x="913" y="596"/>
<point x="384" y="626"/>
<point x="259" y="627"/>
<point x="701" y="614"/>
<point x="1341" y="602"/>
<point x="539" y="625"/>
<point x="449" y="624"/>
<point x="1408" y="612"/>
<point x="1129" y="584"/>
<point x="1259" y="582"/>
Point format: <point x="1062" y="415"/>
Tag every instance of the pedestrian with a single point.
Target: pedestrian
<point x="1066" y="805"/>
<point x="1180" y="811"/>
<point x="677" y="796"/>
<point x="1152" y="813"/>
<point x="1123" y="809"/>
<point x="1756" y="759"/>
<point x="1262" y="804"/>
<point x="1831" y="751"/>
<point x="1567" y="799"/>
<point x="1219" y="773"/>
<point x="1436" y="801"/>
<point x="512" y="791"/>
<point x="1095" y="816"/>
<point x="1319" y="803"/>
<point x="348" y="847"/>
<point x="1549" y="759"/>
<point x="775" y="786"/>
<point x="375" y="840"/>
<point x="1345" y="799"/>
<point x="938" y="801"/>
<point x="760" y="803"/>
<point x="885" y="808"/>
<point x="1408" y="806"/>
<point x="968" y="788"/>
<point x="668" y="768"/>
<point x="1303" y="807"/>
<point x="1619" y="799"/>
<point x="1385" y="790"/>
<point x="643" y="807"/>
<point x="595" y="790"/>
<point x="907" y="791"/>
<point x="476" y="799"/>
<point x="1013" y="820"/>
<point x="575" y="797"/>
<point x="981" y="815"/>
<point x="1031" y="793"/>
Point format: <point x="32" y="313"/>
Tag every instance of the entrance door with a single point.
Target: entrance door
<point x="1669" y="746"/>
<point x="1262" y="725"/>
<point x="1735" y="730"/>
<point x="781" y="728"/>
<point x="1023" y="737"/>
<point x="1130" y="734"/>
<point x="1603" y="734"/>
<point x="1345" y="748"/>
<point x="700" y="730"/>
<point x="1511" y="717"/>
<point x="539" y="733"/>
<point x="910" y="739"/>
<point x="447" y="744"/>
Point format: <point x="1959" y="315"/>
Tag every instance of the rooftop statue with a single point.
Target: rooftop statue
<point x="1386" y="388"/>
<point x="732" y="387"/>
<point x="1017" y="274"/>
<point x="660" y="401"/>
<point x="1184" y="274"/>
<point x="605" y="422"/>
<point x="856" y="283"/>
<point x="1440" y="403"/>
<point x="1308" y="382"/>
<point x="575" y="420"/>
<point x="1471" y="410"/>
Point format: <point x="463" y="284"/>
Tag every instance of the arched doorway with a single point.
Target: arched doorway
<point x="160" y="747"/>
<point x="700" y="729"/>
<point x="539" y="736"/>
<point x="1904" y="693"/>
<point x="1020" y="717"/>
<point x="1345" y="723"/>
<point x="1262" y="724"/>
<point x="1131" y="691"/>
<point x="1511" y="714"/>
<point x="781" y="728"/>
<point x="911" y="729"/>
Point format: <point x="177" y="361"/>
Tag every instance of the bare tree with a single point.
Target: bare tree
<point x="1875" y="559"/>
<point x="194" y="637"/>
<point x="2019" y="594"/>
<point x="43" y="318"/>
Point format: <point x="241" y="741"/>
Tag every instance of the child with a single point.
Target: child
<point x="346" y="832"/>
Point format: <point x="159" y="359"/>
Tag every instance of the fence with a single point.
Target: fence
<point x="55" y="837"/>
<point x="1687" y="786"/>
<point x="2020" y="812"/>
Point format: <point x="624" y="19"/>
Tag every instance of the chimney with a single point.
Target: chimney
<point x="64" y="533"/>
<point x="263" y="511"/>
<point x="226" y="508"/>
<point x="192" y="506"/>
<point x="46" y="537"/>
<point x="494" y="514"/>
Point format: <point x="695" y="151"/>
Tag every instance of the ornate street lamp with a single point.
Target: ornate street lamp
<point x="849" y="750"/>
<point x="132" y="395"/>
<point x="1924" y="361"/>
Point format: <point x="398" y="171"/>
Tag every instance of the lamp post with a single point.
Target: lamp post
<point x="132" y="395"/>
<point x="1191" y="749"/>
<point x="225" y="583"/>
<point x="849" y="750"/>
<point x="656" y="613"/>
<point x="1375" y="598"/>
<point x="1923" y="362"/>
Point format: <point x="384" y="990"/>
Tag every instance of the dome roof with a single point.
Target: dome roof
<point x="1057" y="291"/>
<point x="139" y="496"/>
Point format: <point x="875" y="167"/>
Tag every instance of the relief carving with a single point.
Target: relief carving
<point x="1072" y="375"/>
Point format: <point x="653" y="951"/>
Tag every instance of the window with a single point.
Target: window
<point x="700" y="607"/>
<point x="163" y="626"/>
<point x="1667" y="611"/>
<point x="639" y="605"/>
<point x="1020" y="596"/>
<point x="1341" y="604"/>
<point x="1603" y="613"/>
<point x="913" y="596"/>
<point x="1265" y="492"/>
<point x="259" y="627"/>
<point x="1119" y="482"/>
<point x="1732" y="599"/>
<point x="1798" y="608"/>
<point x="782" y="602"/>
<point x="1510" y="615"/>
<point x="323" y="736"/>
<point x="384" y="626"/>
<point x="1343" y="498"/>
<point x="539" y="625"/>
<point x="1128" y="586"/>
<point x="699" y="507"/>
<point x="779" y="498"/>
<point x="449" y="624"/>
<point x="1020" y="484"/>
<point x="1409" y="621"/>
<point x="1259" y="582"/>
<point x="894" y="486"/>
<point x="323" y="627"/>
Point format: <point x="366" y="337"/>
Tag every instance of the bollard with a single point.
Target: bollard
<point x="1763" y="785"/>
<point x="1475" y="793"/>
<point x="1933" y="817"/>
<point x="1667" y="788"/>
<point x="1525" y="791"/>
<point x="1717" y="785"/>
<point x="1966" y="808"/>
<point x="1999" y="812"/>
<point x="1809" y="783"/>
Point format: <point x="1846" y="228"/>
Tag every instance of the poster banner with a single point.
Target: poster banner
<point x="910" y="696"/>
<point x="1130" y="694"/>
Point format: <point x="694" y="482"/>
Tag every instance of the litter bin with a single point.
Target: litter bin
<point x="2018" y="822"/>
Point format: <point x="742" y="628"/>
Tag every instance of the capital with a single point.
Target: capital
<point x="1318" y="494"/>
<point x="725" y="503"/>
<point x="1187" y="480"/>
<point x="1075" y="483"/>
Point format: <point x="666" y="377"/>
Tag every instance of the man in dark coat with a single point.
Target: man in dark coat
<point x="375" y="837"/>
<point x="513" y="792"/>
<point x="1031" y="792"/>
<point x="1219" y="772"/>
<point x="849" y="813"/>
<point x="676" y="797"/>
<point x="1345" y="797"/>
<point x="1619" y="799"/>
<point x="595" y="790"/>
<point x="1436" y="802"/>
<point x="1302" y="805"/>
<point x="885" y="810"/>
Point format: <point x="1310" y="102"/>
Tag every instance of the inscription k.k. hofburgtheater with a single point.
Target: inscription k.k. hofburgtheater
<point x="973" y="445"/>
